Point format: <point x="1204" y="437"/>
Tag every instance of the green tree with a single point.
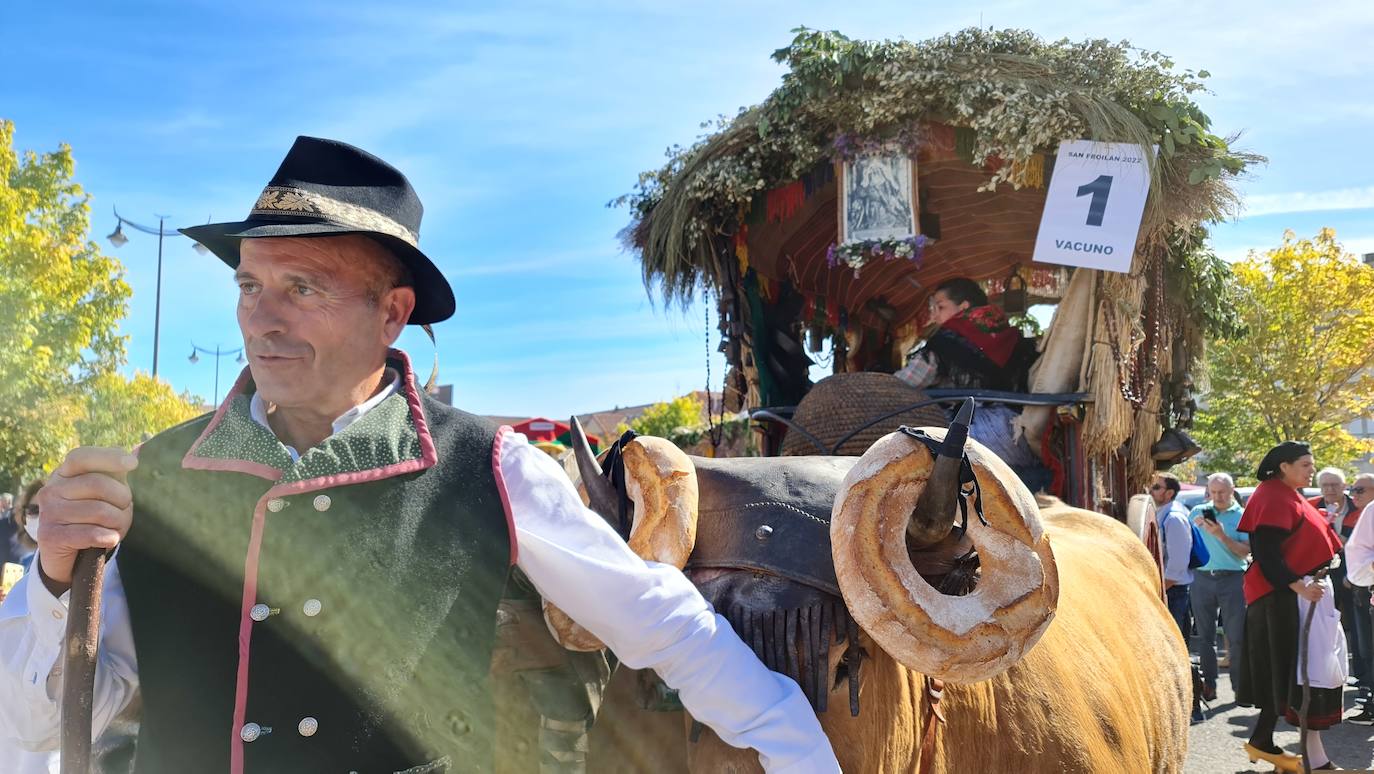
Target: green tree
<point x="124" y="412"/>
<point x="661" y="419"/>
<point x="1303" y="365"/>
<point x="60" y="304"/>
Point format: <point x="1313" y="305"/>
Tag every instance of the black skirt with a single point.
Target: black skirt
<point x="1268" y="676"/>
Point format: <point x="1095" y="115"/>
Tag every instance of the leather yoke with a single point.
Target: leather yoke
<point x="765" y="522"/>
<point x="769" y="514"/>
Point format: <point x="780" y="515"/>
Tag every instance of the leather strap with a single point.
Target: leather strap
<point x="968" y="482"/>
<point x="935" y="691"/>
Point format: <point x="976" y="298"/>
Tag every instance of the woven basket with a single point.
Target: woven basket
<point x="838" y="404"/>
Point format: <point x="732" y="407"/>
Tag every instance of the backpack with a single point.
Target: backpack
<point x="1199" y="555"/>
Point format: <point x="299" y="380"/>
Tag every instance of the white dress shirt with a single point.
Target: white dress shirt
<point x="1359" y="550"/>
<point x="649" y="614"/>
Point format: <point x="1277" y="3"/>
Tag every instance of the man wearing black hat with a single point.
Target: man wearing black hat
<point x="307" y="579"/>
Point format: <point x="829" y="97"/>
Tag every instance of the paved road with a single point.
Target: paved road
<point x="1214" y="745"/>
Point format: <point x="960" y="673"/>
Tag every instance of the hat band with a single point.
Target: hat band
<point x="278" y="200"/>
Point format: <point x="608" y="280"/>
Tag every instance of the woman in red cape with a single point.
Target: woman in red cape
<point x="974" y="346"/>
<point x="1289" y="539"/>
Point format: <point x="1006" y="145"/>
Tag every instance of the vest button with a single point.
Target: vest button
<point x="312" y="607"/>
<point x="251" y="731"/>
<point x="260" y="612"/>
<point x="308" y="726"/>
<point x="322" y="502"/>
<point x="276" y="504"/>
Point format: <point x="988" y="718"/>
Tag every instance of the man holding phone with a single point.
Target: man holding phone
<point x="1217" y="584"/>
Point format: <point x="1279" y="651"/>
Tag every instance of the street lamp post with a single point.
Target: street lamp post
<point x="118" y="239"/>
<point x="218" y="353"/>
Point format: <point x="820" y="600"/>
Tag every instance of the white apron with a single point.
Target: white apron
<point x="1329" y="665"/>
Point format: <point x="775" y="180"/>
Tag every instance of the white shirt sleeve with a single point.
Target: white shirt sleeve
<point x="32" y="625"/>
<point x="651" y="616"/>
<point x="1359" y="550"/>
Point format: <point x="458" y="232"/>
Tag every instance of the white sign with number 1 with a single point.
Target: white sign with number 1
<point x="1094" y="204"/>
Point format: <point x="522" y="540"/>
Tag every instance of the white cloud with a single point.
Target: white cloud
<point x="1309" y="201"/>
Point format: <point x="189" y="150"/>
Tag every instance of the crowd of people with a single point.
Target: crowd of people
<point x="1256" y="567"/>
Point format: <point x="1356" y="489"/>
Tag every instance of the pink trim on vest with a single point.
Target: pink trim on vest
<point x="428" y="455"/>
<point x="250" y="595"/>
<point x="239" y="384"/>
<point x="231" y="466"/>
<point x="501" y="487"/>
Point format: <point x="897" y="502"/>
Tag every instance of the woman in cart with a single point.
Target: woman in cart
<point x="976" y="348"/>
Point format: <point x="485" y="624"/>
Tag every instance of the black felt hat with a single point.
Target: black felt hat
<point x="330" y="188"/>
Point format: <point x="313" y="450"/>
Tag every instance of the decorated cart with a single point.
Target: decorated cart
<point x="550" y="435"/>
<point x="817" y="225"/>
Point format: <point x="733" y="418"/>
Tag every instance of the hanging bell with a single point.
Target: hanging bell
<point x="1014" y="293"/>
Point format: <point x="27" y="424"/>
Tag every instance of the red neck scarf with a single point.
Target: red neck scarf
<point x="986" y="328"/>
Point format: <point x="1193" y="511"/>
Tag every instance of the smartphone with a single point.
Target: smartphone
<point x="1209" y="514"/>
<point x="12" y="574"/>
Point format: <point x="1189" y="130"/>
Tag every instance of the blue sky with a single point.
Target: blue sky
<point x="518" y="121"/>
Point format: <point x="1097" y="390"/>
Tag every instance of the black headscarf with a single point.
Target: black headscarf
<point x="1288" y="451"/>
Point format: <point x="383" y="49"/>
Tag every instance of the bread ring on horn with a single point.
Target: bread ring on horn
<point x="662" y="483"/>
<point x="961" y="639"/>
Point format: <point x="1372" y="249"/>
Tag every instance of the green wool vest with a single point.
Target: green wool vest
<point x="331" y="615"/>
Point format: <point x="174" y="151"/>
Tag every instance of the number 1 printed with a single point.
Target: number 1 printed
<point x="1098" y="189"/>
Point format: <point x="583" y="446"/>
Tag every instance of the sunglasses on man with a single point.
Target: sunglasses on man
<point x="1359" y="490"/>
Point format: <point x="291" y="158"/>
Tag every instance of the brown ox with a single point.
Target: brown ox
<point x="1057" y="660"/>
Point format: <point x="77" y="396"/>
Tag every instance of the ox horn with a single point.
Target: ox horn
<point x="600" y="492"/>
<point x="933" y="516"/>
<point x="661" y="482"/>
<point x="963" y="639"/>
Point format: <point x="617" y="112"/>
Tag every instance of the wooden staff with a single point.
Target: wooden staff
<point x="1303" y="639"/>
<point x="82" y="640"/>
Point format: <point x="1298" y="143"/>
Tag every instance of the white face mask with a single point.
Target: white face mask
<point x="31" y="527"/>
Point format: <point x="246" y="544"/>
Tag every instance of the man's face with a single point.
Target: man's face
<point x="1362" y="491"/>
<point x="1333" y="488"/>
<point x="313" y="325"/>
<point x="1160" y="492"/>
<point x="1221" y="494"/>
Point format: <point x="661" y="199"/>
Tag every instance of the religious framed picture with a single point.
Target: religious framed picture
<point x="878" y="198"/>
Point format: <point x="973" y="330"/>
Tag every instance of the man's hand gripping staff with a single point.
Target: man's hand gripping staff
<point x="87" y="509"/>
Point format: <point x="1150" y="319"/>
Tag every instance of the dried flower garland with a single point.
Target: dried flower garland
<point x="858" y="253"/>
